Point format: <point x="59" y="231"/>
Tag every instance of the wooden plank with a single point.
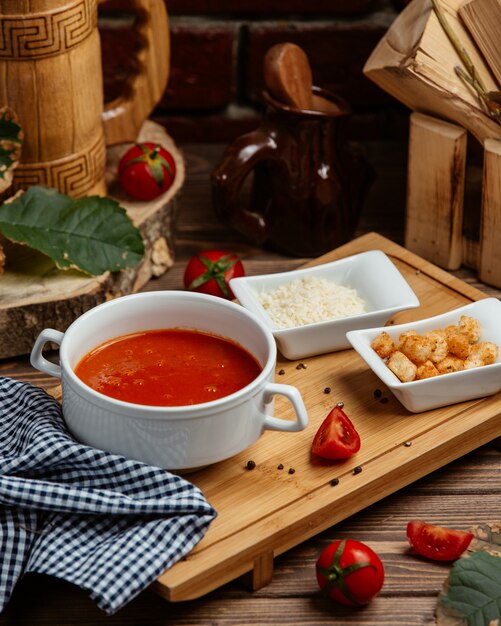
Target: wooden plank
<point x="483" y="21"/>
<point x="435" y="190"/>
<point x="270" y="509"/>
<point x="490" y="250"/>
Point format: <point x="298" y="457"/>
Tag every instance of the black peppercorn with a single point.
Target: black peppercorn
<point x="280" y="466"/>
<point x="378" y="393"/>
<point x="251" y="465"/>
<point x="281" y="372"/>
<point x="291" y="470"/>
<point x="357" y="469"/>
<point x="327" y="390"/>
<point x="334" y="482"/>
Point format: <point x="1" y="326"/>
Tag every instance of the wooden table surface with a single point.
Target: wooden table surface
<point x="463" y="493"/>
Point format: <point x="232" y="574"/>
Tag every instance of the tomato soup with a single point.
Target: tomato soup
<point x="169" y="367"/>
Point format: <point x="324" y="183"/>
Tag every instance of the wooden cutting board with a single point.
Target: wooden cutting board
<point x="265" y="511"/>
<point x="34" y="294"/>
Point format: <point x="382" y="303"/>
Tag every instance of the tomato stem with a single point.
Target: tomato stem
<point x="336" y="575"/>
<point x="214" y="270"/>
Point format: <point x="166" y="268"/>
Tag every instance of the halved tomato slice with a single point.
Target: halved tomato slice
<point x="437" y="542"/>
<point x="337" y="437"/>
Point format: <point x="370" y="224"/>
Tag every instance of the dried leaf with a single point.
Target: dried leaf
<point x="472" y="593"/>
<point x="11" y="141"/>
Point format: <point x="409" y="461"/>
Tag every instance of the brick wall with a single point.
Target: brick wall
<point x="216" y="60"/>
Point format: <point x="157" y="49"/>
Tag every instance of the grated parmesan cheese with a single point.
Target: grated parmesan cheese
<point x="309" y="300"/>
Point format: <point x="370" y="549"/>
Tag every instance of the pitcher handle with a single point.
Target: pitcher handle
<point x="124" y="116"/>
<point x="294" y="397"/>
<point x="228" y="177"/>
<point x="37" y="360"/>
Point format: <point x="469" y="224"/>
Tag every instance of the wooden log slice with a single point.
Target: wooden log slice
<point x="34" y="294"/>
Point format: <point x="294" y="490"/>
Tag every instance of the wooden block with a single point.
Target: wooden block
<point x="489" y="269"/>
<point x="435" y="189"/>
<point x="483" y="21"/>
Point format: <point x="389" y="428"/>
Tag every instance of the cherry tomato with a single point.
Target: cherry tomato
<point x="437" y="542"/>
<point x="350" y="572"/>
<point x="211" y="271"/>
<point x="146" y="171"/>
<point x="337" y="437"/>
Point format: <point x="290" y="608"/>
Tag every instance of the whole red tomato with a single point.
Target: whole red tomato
<point x="210" y="272"/>
<point x="436" y="542"/>
<point x="350" y="572"/>
<point x="146" y="171"/>
<point x="336" y="437"/>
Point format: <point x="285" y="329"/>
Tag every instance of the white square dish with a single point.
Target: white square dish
<point x="451" y="388"/>
<point x="372" y="274"/>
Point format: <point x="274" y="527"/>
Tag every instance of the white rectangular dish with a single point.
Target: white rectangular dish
<point x="371" y="274"/>
<point x="451" y="388"/>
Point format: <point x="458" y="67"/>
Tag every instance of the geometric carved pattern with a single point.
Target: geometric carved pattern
<point x="46" y="34"/>
<point x="73" y="175"/>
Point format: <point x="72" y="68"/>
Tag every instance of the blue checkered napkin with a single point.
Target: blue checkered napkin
<point x="98" y="520"/>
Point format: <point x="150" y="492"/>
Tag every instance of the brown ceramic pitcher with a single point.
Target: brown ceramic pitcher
<point x="308" y="183"/>
<point x="51" y="76"/>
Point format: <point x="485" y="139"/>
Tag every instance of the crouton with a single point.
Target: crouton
<point x="417" y="348"/>
<point x="458" y="344"/>
<point x="470" y="327"/>
<point x="405" y="334"/>
<point x="484" y="353"/>
<point x="402" y="367"/>
<point x="439" y="345"/>
<point x="450" y="364"/>
<point x="426" y="370"/>
<point x="383" y="345"/>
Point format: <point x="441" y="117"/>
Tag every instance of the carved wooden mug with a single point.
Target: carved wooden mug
<point x="51" y="76"/>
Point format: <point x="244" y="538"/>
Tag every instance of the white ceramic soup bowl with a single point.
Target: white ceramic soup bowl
<point x="177" y="437"/>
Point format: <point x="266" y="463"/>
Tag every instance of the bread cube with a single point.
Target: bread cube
<point x="470" y="327"/>
<point x="402" y="367"/>
<point x="450" y="364"/>
<point x="439" y="345"/>
<point x="383" y="345"/>
<point x="484" y="353"/>
<point x="458" y="344"/>
<point x="426" y="370"/>
<point x="417" y="348"/>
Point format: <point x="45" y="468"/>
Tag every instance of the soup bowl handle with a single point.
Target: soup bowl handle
<point x="37" y="360"/>
<point x="294" y="397"/>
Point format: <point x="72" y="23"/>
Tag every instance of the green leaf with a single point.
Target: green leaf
<point x="11" y="140"/>
<point x="473" y="593"/>
<point x="93" y="234"/>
